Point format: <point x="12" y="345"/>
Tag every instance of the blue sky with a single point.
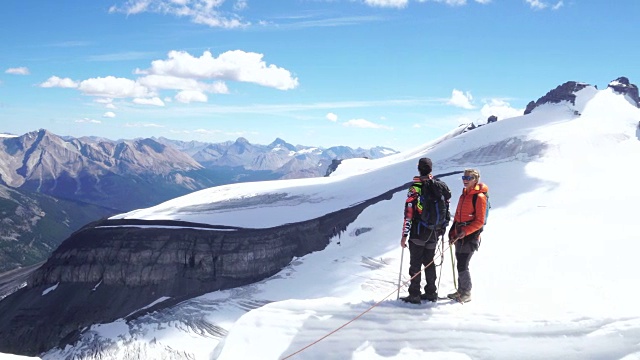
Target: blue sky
<point x="394" y="73"/>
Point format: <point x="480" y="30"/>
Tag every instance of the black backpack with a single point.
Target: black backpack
<point x="433" y="205"/>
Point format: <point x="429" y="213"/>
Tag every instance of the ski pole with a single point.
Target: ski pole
<point x="453" y="268"/>
<point x="400" y="273"/>
<point x="442" y="250"/>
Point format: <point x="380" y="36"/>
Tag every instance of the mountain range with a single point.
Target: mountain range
<point x="94" y="177"/>
<point x="239" y="271"/>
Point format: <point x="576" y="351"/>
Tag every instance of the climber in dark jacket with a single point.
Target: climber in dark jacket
<point x="422" y="241"/>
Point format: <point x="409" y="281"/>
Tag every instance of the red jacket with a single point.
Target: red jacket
<point x="464" y="211"/>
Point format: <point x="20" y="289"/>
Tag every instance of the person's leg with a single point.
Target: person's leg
<point x="430" y="290"/>
<point x="464" y="276"/>
<point x="415" y="265"/>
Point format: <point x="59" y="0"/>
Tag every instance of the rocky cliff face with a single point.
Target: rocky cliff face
<point x="113" y="268"/>
<point x="564" y="92"/>
<point x="622" y="85"/>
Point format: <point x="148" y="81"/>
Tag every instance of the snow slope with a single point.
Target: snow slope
<point x="554" y="277"/>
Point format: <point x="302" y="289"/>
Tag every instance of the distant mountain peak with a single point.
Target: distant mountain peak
<point x="242" y="141"/>
<point x="622" y="85"/>
<point x="153" y="144"/>
<point x="279" y="143"/>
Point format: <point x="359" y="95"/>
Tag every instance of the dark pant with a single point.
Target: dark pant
<point x="420" y="255"/>
<point x="464" y="276"/>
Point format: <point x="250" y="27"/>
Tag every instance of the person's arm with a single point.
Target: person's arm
<point x="409" y="208"/>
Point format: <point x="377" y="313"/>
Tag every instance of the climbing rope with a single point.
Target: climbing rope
<point x="366" y="311"/>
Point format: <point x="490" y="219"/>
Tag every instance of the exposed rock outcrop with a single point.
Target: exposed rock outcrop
<point x="333" y="166"/>
<point x="622" y="85"/>
<point x="564" y="92"/>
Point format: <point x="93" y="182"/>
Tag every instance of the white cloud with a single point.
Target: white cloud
<point x="109" y="114"/>
<point x="365" y="124"/>
<point x="18" y="71"/>
<point x="114" y="87"/>
<point x="181" y="83"/>
<point x="204" y="12"/>
<point x="55" y="81"/>
<point x="387" y="3"/>
<point x="452" y="2"/>
<point x="461" y="99"/>
<point x="198" y="131"/>
<point x="536" y="4"/>
<point x="240" y="5"/>
<point x="207" y="132"/>
<point x="189" y="96"/>
<point x="88" y="121"/>
<point x="138" y="125"/>
<point x="236" y="65"/>
<point x="540" y="5"/>
<point x="107" y="102"/>
<point x="155" y="101"/>
<point x="332" y="117"/>
<point x="184" y="72"/>
<point x="499" y="108"/>
<point x="456" y="2"/>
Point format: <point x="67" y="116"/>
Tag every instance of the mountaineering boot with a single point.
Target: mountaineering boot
<point x="454" y="295"/>
<point x="464" y="287"/>
<point x="412" y="299"/>
<point x="433" y="297"/>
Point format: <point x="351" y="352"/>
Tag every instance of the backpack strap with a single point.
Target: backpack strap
<point x="474" y="199"/>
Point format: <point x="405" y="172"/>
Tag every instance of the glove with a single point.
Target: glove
<point x="455" y="236"/>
